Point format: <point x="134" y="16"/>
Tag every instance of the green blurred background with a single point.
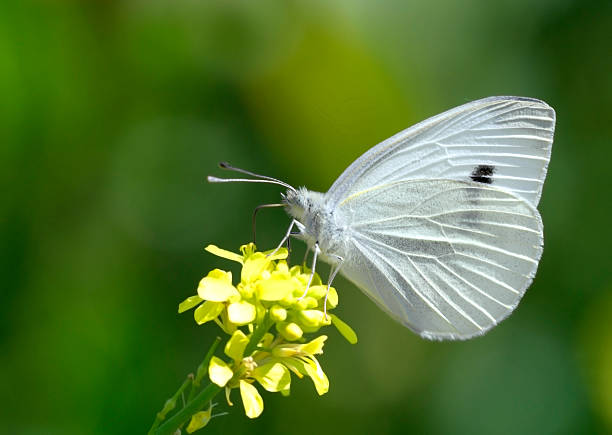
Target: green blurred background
<point x="112" y="114"/>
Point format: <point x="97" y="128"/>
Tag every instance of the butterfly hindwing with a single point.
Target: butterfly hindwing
<point x="448" y="259"/>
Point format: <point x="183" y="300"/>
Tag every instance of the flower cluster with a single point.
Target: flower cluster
<point x="266" y="315"/>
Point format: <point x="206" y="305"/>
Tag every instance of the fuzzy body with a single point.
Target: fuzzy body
<point x="318" y="223"/>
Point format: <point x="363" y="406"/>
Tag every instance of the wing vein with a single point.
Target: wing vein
<point x="471" y="302"/>
<point x="365" y="251"/>
<point x="493" y="280"/>
<point x="444" y="296"/>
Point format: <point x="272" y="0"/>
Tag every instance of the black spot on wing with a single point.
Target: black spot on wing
<point x="483" y="174"/>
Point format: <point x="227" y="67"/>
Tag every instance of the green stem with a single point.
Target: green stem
<point x="195" y="384"/>
<point x="170" y="404"/>
<point x="203" y="369"/>
<point x="178" y="419"/>
<point x="258" y="334"/>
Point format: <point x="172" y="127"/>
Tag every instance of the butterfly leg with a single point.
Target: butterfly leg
<point x="285" y="238"/>
<point x="293" y="233"/>
<point x="305" y="255"/>
<point x="312" y="272"/>
<point x="331" y="279"/>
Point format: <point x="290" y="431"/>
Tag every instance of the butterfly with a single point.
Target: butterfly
<point x="438" y="224"/>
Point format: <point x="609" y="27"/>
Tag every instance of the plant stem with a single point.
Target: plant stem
<point x="258" y="335"/>
<point x="170" y="404"/>
<point x="174" y="422"/>
<point x="202" y="369"/>
<point x="191" y="380"/>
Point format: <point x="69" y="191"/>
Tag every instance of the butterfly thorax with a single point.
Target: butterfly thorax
<point x="317" y="222"/>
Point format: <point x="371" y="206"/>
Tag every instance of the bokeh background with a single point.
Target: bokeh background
<point x="111" y="115"/>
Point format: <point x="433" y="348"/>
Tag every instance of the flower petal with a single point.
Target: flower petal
<point x="286" y="350"/>
<point x="253" y="267"/>
<point x="344" y="329"/>
<point x="224" y="254"/>
<point x="280" y="254"/>
<point x="314" y="370"/>
<point x="282" y="267"/>
<point x="273" y="376"/>
<point x="241" y="313"/>
<point x="207" y="311"/>
<point x="219" y="372"/>
<point x="189" y="303"/>
<point x="252" y="401"/>
<point x="217" y="287"/>
<point x="236" y="345"/>
<point x="296" y="366"/>
<point x="225" y="324"/>
<point x="275" y="288"/>
<point x="303" y="275"/>
<point x="315" y="347"/>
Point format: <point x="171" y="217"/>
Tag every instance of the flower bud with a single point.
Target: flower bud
<point x="290" y="331"/>
<point x="312" y="318"/>
<point x="307" y="302"/>
<point x="277" y="313"/>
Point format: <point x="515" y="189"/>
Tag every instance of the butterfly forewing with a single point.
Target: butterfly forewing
<point x="504" y="142"/>
<point x="448" y="259"/>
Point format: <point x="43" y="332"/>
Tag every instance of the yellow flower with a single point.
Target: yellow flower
<point x="267" y="315"/>
<point x="301" y="360"/>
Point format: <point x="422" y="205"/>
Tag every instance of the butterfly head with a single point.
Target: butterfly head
<point x="296" y="202"/>
<point x="302" y="203"/>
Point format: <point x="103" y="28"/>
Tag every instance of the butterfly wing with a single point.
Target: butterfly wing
<point x="501" y="141"/>
<point x="449" y="259"/>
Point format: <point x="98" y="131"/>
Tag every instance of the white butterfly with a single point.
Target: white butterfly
<point x="438" y="224"/>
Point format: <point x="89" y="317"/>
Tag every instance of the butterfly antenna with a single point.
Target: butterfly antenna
<point x="259" y="178"/>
